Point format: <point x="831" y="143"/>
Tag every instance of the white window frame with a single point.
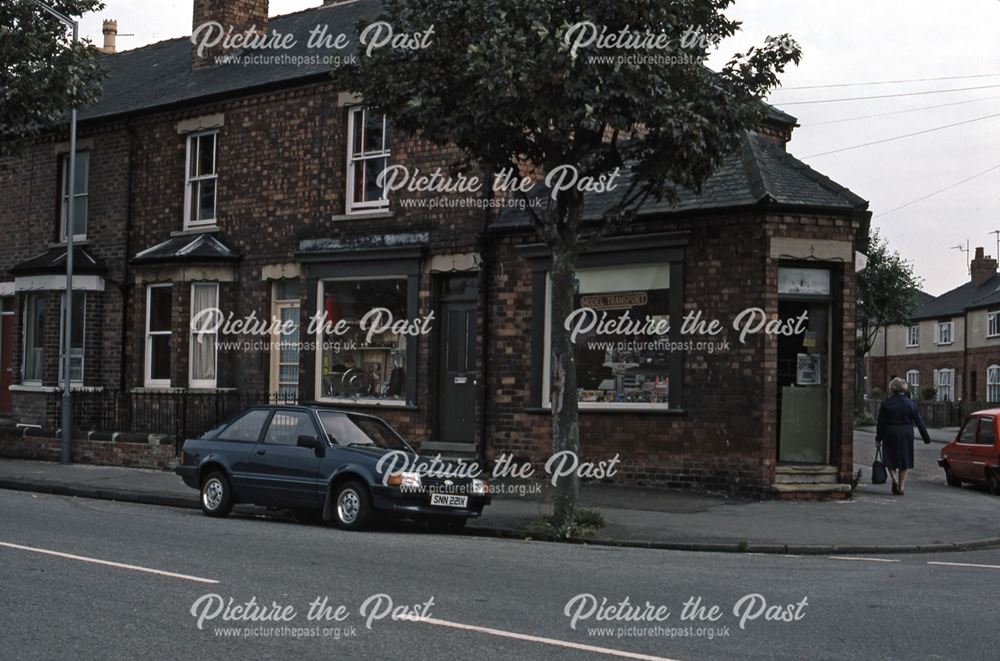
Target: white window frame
<point x="64" y="196"/>
<point x="62" y="338"/>
<point x="193" y="338"/>
<point x="993" y="383"/>
<point x="190" y="180"/>
<point x="939" y="331"/>
<point x="547" y="360"/>
<point x="148" y="357"/>
<point x="276" y="341"/>
<point x="944" y="381"/>
<point x="37" y="297"/>
<point x="352" y="206"/>
<point x="913" y="379"/>
<point x="913" y="335"/>
<point x="993" y="324"/>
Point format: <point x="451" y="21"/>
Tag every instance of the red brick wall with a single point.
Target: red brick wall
<point x="103" y="453"/>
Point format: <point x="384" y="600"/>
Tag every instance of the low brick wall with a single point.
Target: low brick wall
<point x="132" y="450"/>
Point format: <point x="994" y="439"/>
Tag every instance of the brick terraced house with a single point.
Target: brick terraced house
<point x="952" y="344"/>
<point x="252" y="189"/>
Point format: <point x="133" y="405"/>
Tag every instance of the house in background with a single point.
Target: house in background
<point x="952" y="344"/>
<point x="253" y="189"/>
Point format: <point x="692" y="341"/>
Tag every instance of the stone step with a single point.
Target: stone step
<point x="812" y="488"/>
<point x="458" y="448"/>
<point x="805" y="478"/>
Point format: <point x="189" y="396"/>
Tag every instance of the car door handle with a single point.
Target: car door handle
<point x="261" y="451"/>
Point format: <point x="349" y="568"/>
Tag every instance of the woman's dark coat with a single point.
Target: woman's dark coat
<point x="896" y="419"/>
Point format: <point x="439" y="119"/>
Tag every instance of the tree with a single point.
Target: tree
<point x="42" y="72"/>
<point x="886" y="296"/>
<point x="511" y="85"/>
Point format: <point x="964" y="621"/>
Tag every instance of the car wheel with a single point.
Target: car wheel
<point x="216" y="495"/>
<point x="352" y="506"/>
<point x="993" y="482"/>
<point x="950" y="477"/>
<point x="447" y="525"/>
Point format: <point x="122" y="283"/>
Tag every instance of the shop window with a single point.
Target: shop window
<point x="621" y="370"/>
<point x="159" y="305"/>
<point x="367" y="157"/>
<point x="79" y="196"/>
<point x="354" y="367"/>
<point x="78" y="331"/>
<point x="993" y="383"/>
<point x="34" y="337"/>
<point x="944" y="383"/>
<point x="204" y="345"/>
<point x="913" y="336"/>
<point x="201" y="192"/>
<point x="944" y="332"/>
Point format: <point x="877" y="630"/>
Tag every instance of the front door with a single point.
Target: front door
<point x="456" y="365"/>
<point x="6" y="360"/>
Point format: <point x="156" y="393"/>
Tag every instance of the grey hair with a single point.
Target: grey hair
<point x="898" y="385"/>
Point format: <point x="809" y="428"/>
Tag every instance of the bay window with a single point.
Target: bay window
<point x="367" y="156"/>
<point x="204" y="347"/>
<point x="79" y="313"/>
<point x="33" y="339"/>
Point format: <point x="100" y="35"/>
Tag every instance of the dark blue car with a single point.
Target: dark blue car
<point x="348" y="465"/>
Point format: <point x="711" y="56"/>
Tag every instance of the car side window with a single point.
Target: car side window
<point x="968" y="434"/>
<point x="987" y="432"/>
<point x="287" y="426"/>
<point x="246" y="428"/>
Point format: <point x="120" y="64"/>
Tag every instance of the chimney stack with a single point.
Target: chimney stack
<point x="110" y="30"/>
<point x="234" y="16"/>
<point x="983" y="268"/>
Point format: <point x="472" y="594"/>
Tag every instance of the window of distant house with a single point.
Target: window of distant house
<point x="993" y="383"/>
<point x="913" y="380"/>
<point x="202" y="178"/>
<point x="78" y="332"/>
<point x="944" y="331"/>
<point x="159" y="304"/>
<point x="204" y="349"/>
<point x="944" y="383"/>
<point x="34" y="337"/>
<point x="913" y="336"/>
<point x="79" y="196"/>
<point x="367" y="157"/>
<point x="993" y="324"/>
<point x="621" y="370"/>
<point x="355" y="366"/>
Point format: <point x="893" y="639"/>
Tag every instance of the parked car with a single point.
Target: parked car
<point x="974" y="455"/>
<point x="317" y="458"/>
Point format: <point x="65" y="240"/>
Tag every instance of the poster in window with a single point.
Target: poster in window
<point x="807" y="371"/>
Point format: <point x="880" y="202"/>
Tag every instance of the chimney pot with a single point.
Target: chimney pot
<point x="110" y="30"/>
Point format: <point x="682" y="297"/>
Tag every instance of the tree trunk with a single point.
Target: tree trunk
<point x="563" y="394"/>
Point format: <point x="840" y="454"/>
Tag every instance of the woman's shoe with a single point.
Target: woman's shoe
<point x="895" y="488"/>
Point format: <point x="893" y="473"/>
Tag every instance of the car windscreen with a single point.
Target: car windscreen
<point x="347" y="429"/>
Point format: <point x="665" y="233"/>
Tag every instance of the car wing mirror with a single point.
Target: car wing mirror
<point x="312" y="442"/>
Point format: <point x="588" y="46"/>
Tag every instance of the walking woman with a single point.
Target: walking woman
<point x="896" y="418"/>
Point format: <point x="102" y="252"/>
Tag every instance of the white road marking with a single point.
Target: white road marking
<point x="964" y="564"/>
<point x="539" y="639"/>
<point x="849" y="557"/>
<point x="108" y="563"/>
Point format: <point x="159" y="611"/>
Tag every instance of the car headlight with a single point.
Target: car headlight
<point x="405" y="480"/>
<point x="480" y="487"/>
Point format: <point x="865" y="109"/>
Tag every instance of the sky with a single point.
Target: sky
<point x="843" y="42"/>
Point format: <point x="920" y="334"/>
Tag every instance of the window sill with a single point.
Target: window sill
<point x="37" y="387"/>
<point x="189" y="231"/>
<point x="76" y="242"/>
<point x="177" y="389"/>
<point x="371" y="403"/>
<point x="614" y="409"/>
<point x="912" y="346"/>
<point x="373" y="214"/>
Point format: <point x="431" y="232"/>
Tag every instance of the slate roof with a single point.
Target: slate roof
<point x="160" y="74"/>
<point x="192" y="248"/>
<point x="758" y="172"/>
<point x="53" y="260"/>
<point x="960" y="299"/>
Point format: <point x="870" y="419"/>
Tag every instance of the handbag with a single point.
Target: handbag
<point x="879" y="473"/>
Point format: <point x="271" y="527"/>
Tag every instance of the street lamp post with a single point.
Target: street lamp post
<point x="67" y="396"/>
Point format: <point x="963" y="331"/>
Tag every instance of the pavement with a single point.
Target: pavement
<point x="931" y="517"/>
<point x="95" y="579"/>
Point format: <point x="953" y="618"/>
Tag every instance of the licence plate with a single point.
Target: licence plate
<point x="449" y="500"/>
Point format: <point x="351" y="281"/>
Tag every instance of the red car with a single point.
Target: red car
<point x="974" y="455"/>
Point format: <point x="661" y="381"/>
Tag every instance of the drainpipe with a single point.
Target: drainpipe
<point x="126" y="284"/>
<point x="485" y="247"/>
